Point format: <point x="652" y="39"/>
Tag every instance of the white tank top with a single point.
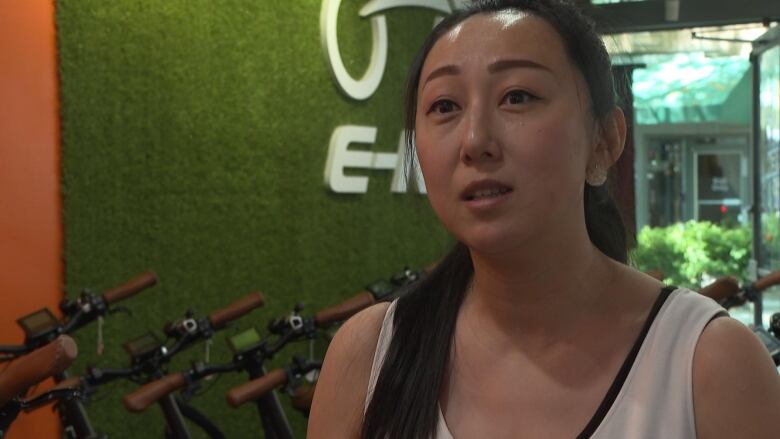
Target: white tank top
<point x="655" y="399"/>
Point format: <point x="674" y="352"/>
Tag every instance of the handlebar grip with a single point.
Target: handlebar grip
<point x="303" y="397"/>
<point x="70" y="383"/>
<point x="150" y="393"/>
<point x="767" y="281"/>
<point x="656" y="274"/>
<point x="344" y="310"/>
<point x="256" y="388"/>
<point x="221" y="317"/>
<point x="722" y="288"/>
<point x="36" y="366"/>
<point x="131" y="287"/>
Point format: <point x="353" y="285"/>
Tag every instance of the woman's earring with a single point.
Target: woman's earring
<point x="596" y="176"/>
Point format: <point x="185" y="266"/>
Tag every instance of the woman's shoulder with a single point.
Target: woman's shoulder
<point x="351" y="352"/>
<point x="736" y="386"/>
<point x="360" y="333"/>
<point x="337" y="409"/>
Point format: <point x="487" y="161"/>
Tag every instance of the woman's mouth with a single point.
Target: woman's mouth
<point x="489" y="193"/>
<point x="484" y="194"/>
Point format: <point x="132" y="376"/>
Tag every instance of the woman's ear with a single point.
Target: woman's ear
<point x="612" y="138"/>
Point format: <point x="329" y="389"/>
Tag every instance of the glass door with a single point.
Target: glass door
<point x="767" y="146"/>
<point x="719" y="188"/>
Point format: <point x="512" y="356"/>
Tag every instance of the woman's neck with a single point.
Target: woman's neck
<point x="541" y="294"/>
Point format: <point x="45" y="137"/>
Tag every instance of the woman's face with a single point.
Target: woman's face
<point x="503" y="131"/>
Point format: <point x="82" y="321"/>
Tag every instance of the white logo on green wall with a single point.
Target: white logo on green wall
<point x="339" y="154"/>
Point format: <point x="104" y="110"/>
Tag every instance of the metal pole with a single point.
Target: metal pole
<point x="757" y="208"/>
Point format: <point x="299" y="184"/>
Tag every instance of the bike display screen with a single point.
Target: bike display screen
<point x="143" y="345"/>
<point x="243" y="341"/>
<point x="38" y="323"/>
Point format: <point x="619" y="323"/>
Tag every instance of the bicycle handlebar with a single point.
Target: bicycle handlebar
<point x="767" y="281"/>
<point x="151" y="392"/>
<point x="722" y="288"/>
<point x="36" y="366"/>
<point x="89" y="381"/>
<point x="70" y="383"/>
<point x="9" y="352"/>
<point x="131" y="287"/>
<point x="51" y="395"/>
<point x="252" y="390"/>
<point x="221" y="317"/>
<point x="344" y="310"/>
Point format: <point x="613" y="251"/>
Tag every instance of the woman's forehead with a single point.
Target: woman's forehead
<point x="500" y="35"/>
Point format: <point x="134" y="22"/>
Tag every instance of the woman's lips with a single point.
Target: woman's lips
<point x="484" y="188"/>
<point x="487" y="193"/>
<point x="484" y="194"/>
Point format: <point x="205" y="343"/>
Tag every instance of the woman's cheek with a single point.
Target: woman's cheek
<point x="559" y="152"/>
<point x="432" y="177"/>
<point x="438" y="181"/>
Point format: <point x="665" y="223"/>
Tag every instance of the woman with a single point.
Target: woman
<point x="534" y="326"/>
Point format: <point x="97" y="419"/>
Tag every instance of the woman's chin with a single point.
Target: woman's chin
<point x="494" y="242"/>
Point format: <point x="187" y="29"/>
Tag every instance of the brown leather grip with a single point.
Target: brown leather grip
<point x="151" y="392"/>
<point x="30" y="369"/>
<point x="221" y="317"/>
<point x="767" y="281"/>
<point x="70" y="383"/>
<point x="722" y="288"/>
<point x="344" y="310"/>
<point x="655" y="274"/>
<point x="131" y="287"/>
<point x="256" y="388"/>
<point x="303" y="396"/>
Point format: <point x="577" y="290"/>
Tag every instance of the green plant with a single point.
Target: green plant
<point x="691" y="253"/>
<point x="769" y="238"/>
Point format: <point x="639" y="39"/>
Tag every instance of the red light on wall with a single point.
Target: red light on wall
<point x="724" y="209"/>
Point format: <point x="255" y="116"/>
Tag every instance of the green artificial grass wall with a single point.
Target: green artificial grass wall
<point x="195" y="135"/>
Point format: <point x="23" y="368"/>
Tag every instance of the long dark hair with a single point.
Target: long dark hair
<point x="405" y="399"/>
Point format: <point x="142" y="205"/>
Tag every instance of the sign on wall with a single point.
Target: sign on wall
<point x="340" y="156"/>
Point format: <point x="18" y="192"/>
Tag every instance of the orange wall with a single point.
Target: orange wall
<point x="31" y="267"/>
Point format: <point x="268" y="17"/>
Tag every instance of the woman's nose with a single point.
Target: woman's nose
<point x="478" y="142"/>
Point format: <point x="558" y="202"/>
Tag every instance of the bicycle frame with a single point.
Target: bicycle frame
<point x="272" y="416"/>
<point x="73" y="416"/>
<point x="173" y="417"/>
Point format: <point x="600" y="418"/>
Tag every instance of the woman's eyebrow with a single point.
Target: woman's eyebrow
<point x="441" y="71"/>
<point x="506" y="64"/>
<point x="494" y="67"/>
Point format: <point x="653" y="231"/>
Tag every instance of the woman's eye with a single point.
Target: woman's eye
<point x="516" y="97"/>
<point x="443" y="106"/>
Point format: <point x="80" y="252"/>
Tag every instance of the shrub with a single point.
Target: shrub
<point x="690" y="254"/>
